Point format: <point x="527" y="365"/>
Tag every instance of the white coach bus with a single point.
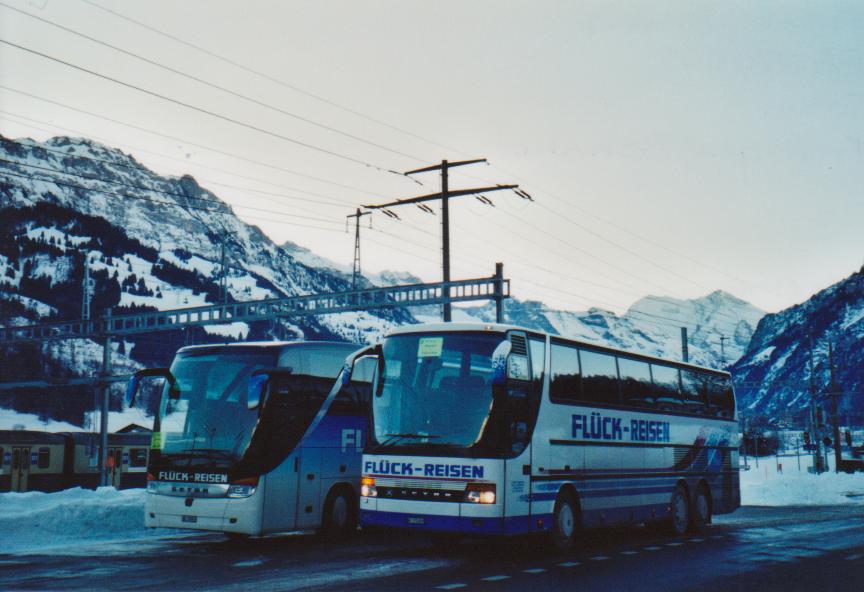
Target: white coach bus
<point x="256" y="438"/>
<point x="496" y="430"/>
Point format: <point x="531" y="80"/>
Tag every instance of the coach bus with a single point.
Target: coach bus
<point x="497" y="430"/>
<point x="256" y="438"/>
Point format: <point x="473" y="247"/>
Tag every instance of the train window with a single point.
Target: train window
<point x="695" y="389"/>
<point x="721" y="400"/>
<point x="636" y="387"/>
<point x="2" y="457"/>
<point x="667" y="387"/>
<point x="44" y="458"/>
<point x="599" y="377"/>
<point x="137" y="457"/>
<point x="565" y="383"/>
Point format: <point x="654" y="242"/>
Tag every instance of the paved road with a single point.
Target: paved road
<point x="754" y="549"/>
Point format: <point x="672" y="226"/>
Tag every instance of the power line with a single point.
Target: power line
<point x="143" y="169"/>
<point x="171" y="203"/>
<point x="189" y="142"/>
<point x="205" y="111"/>
<point x="269" y="77"/>
<point x="212" y="85"/>
<point x="173" y="194"/>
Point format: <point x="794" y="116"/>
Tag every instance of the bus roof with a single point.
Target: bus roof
<point x="266" y="344"/>
<point x="501" y="328"/>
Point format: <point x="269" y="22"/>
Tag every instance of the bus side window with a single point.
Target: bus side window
<point x="565" y="383"/>
<point x="695" y="389"/>
<point x="636" y="387"/>
<point x="599" y="378"/>
<point x="667" y="387"/>
<point x="721" y="401"/>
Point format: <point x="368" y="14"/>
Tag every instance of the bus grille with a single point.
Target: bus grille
<point x="518" y="345"/>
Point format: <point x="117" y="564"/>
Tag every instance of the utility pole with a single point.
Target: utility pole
<point x="685" y="352"/>
<point x="103" y="416"/>
<point x="223" y="279"/>
<point x="87" y="289"/>
<point x="818" y="465"/>
<point x="444" y="196"/>
<point x="834" y="394"/>
<point x="723" y="339"/>
<point x="355" y="273"/>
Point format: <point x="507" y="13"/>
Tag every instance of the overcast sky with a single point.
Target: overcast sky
<point x="672" y="148"/>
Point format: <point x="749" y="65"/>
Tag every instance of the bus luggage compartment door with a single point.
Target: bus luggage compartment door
<point x="20" y="468"/>
<point x="309" y="489"/>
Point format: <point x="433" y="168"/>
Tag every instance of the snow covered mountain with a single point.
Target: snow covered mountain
<point x="153" y="243"/>
<point x="651" y="326"/>
<point x="775" y="368"/>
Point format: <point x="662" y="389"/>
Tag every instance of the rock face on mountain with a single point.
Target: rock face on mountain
<point x="152" y="243"/>
<point x="651" y="326"/>
<point x="775" y="370"/>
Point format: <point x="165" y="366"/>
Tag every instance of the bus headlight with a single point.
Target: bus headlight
<point x="367" y="487"/>
<point x="480" y="493"/>
<point x="242" y="487"/>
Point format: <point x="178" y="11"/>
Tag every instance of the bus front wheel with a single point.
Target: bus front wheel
<point x="564" y="522"/>
<point x="679" y="518"/>
<point x="340" y="514"/>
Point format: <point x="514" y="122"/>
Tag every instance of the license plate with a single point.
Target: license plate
<point x="416" y="520"/>
<point x="192" y="519"/>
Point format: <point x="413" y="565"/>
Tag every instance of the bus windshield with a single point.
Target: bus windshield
<point x="434" y="389"/>
<point x="209" y="420"/>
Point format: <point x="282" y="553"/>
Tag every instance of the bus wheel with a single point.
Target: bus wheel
<point x="340" y="515"/>
<point x="679" y="520"/>
<point x="564" y="522"/>
<point x="700" y="517"/>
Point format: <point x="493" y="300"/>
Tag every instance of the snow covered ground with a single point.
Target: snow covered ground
<point x="765" y="485"/>
<point x="61" y="522"/>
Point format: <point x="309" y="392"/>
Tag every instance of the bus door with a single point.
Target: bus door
<point x="114" y="464"/>
<point x="20" y="468"/>
<point x="523" y="398"/>
<point x="309" y="488"/>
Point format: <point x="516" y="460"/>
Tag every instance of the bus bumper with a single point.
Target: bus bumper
<point x="240" y="515"/>
<point x="460" y="518"/>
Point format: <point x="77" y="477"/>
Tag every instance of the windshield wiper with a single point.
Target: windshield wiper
<point x="208" y="453"/>
<point x="393" y="438"/>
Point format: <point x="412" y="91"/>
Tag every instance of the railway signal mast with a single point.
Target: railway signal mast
<point x="444" y="196"/>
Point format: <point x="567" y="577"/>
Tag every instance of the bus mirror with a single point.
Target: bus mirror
<point x="255" y="389"/>
<point x="499" y="363"/>
<point x="517" y="367"/>
<point x="363" y="369"/>
<point x="135" y="381"/>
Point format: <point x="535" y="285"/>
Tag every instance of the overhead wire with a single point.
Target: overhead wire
<point x="213" y="85"/>
<point x="268" y="77"/>
<point x="185" y="161"/>
<point x="214" y="114"/>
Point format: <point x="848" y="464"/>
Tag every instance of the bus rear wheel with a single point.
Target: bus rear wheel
<point x="679" y="518"/>
<point x="340" y="514"/>
<point x="700" y="516"/>
<point x="565" y="520"/>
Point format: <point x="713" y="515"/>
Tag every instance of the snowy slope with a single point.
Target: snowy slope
<point x="775" y="367"/>
<point x="652" y="325"/>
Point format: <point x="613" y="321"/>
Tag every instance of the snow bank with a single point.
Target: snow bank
<point x="766" y="486"/>
<point x="34" y="521"/>
<point x="11" y="420"/>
